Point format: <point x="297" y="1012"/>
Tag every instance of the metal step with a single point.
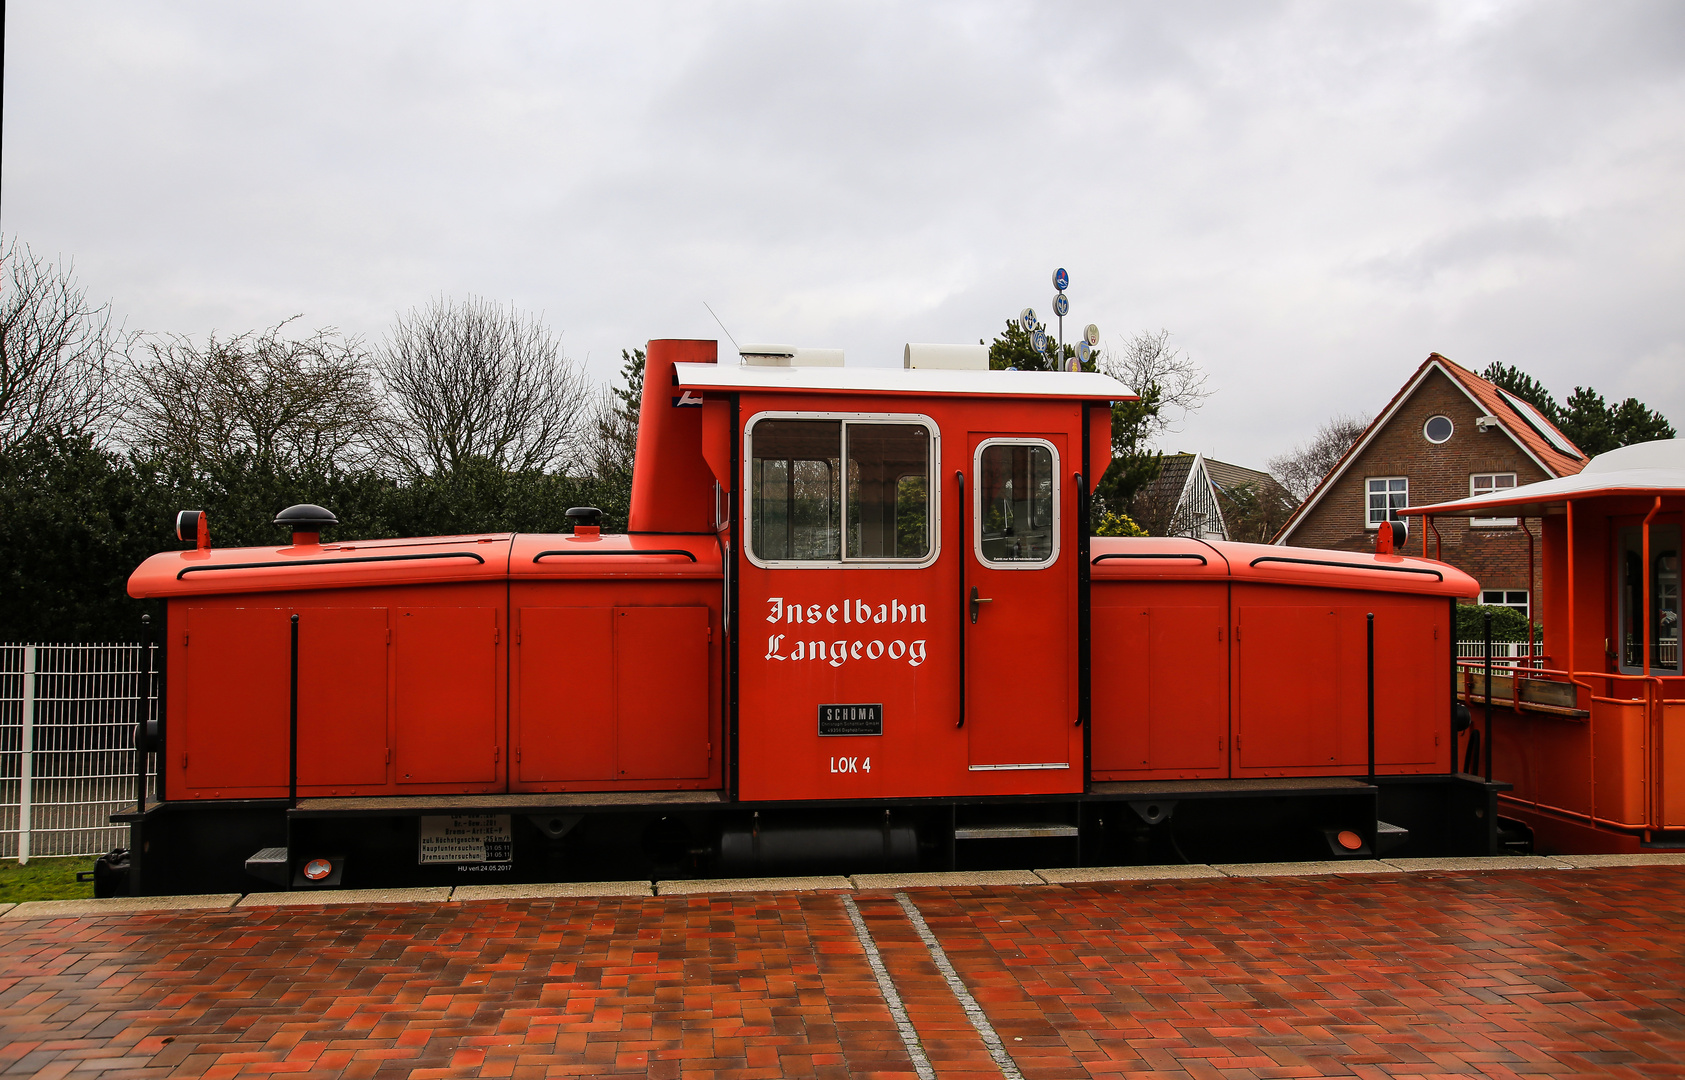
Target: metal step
<point x="269" y="864"/>
<point x="1012" y="832"/>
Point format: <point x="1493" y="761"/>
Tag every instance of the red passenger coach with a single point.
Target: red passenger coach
<point x="857" y="622"/>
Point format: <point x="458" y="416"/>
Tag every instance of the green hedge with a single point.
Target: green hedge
<point x="1508" y="624"/>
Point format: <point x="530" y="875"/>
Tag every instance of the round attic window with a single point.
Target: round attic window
<point x="1437" y="429"/>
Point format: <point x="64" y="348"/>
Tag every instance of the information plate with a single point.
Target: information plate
<point x="851" y="719"/>
<point x="465" y="838"/>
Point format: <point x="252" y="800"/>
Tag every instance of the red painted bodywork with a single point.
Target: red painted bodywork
<point x="549" y="663"/>
<point x="1219" y="660"/>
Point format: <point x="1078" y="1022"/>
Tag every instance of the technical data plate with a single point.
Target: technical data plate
<point x="851" y="719"/>
<point x="465" y="838"/>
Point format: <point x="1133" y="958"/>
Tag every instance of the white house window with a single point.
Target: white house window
<point x="1387" y="496"/>
<point x="1485" y="484"/>
<point x="1510" y="598"/>
<point x="1437" y="429"/>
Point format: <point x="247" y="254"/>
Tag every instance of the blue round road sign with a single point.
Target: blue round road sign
<point x="1061" y="305"/>
<point x="1027" y="319"/>
<point x="1040" y="341"/>
<point x="1061" y="280"/>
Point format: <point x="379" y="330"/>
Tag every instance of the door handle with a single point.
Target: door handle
<point x="976" y="600"/>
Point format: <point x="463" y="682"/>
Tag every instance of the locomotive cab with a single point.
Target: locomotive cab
<point x="907" y="551"/>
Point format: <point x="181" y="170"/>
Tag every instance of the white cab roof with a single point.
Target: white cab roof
<point x="1085" y="385"/>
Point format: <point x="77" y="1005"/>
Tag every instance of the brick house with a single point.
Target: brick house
<point x="1448" y="434"/>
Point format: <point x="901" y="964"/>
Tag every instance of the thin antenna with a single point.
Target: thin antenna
<point x="733" y="340"/>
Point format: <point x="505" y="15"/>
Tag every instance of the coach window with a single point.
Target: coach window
<point x="828" y="491"/>
<point x="1665" y="606"/>
<point x="1017" y="503"/>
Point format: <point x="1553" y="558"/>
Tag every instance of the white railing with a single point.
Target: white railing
<point x="67" y="745"/>
<point x="1503" y="652"/>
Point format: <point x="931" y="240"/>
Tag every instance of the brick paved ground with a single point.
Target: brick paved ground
<point x="1554" y="973"/>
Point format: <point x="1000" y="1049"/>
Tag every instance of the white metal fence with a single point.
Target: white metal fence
<point x="1503" y="652"/>
<point x="67" y="745"/>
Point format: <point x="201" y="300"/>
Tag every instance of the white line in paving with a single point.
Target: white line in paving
<point x="903" y="1024"/>
<point x="973" y="1011"/>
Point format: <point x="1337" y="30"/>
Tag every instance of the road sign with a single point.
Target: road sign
<point x="1083" y="350"/>
<point x="1027" y="319"/>
<point x="1061" y="280"/>
<point x="1061" y="305"/>
<point x="1092" y="334"/>
<point x="1040" y="341"/>
<point x="1072" y="364"/>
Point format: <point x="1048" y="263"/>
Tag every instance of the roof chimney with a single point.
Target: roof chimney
<point x="306" y="520"/>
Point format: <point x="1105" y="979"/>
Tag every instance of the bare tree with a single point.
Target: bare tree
<point x="1148" y="360"/>
<point x="475" y="380"/>
<point x="260" y="400"/>
<point x="1303" y="468"/>
<point x="57" y="351"/>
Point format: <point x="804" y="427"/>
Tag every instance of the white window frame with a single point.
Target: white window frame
<point x="1369" y="521"/>
<point x="1506" y="599"/>
<point x="933" y="491"/>
<point x="977" y="506"/>
<point x="1491" y="522"/>
<point x="1438" y="442"/>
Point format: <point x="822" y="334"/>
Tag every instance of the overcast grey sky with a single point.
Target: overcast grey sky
<point x="1311" y="197"/>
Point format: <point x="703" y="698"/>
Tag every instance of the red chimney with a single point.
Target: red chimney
<point x="672" y="487"/>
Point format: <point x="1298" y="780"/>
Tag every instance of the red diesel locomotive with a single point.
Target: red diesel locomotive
<point x="857" y="621"/>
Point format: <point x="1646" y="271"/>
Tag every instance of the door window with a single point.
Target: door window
<point x="841" y="490"/>
<point x="1017" y="503"/>
<point x="1665" y="610"/>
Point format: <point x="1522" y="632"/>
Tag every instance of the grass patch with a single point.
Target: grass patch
<point x="45" y="879"/>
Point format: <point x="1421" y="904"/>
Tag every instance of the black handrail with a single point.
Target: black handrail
<point x="1098" y="559"/>
<point x="292" y="721"/>
<point x="1370" y="655"/>
<point x="300" y="563"/>
<point x="627" y="551"/>
<point x="959" y="478"/>
<point x="1350" y="565"/>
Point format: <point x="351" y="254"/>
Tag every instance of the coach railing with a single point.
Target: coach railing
<point x="68" y="718"/>
<point x="1650" y="709"/>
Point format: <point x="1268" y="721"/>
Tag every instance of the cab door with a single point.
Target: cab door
<point x="1018" y="605"/>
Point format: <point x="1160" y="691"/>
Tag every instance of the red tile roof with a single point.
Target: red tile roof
<point x="1532" y="432"/>
<point x="1515" y="420"/>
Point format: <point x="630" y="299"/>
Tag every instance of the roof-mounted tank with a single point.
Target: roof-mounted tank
<point x="790" y="356"/>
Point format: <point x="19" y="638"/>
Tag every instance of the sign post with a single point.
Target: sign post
<point x="1061" y="308"/>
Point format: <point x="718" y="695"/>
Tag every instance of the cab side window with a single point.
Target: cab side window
<point x="888" y="511"/>
<point x="796" y="483"/>
<point x="840" y="490"/>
